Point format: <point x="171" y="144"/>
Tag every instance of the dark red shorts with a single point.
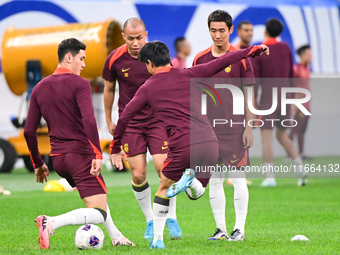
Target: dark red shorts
<point x="75" y="168"/>
<point x="194" y="156"/>
<point x="231" y="150"/>
<point x="137" y="140"/>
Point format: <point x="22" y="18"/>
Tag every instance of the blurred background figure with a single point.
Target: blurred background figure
<point x="245" y="33"/>
<point x="183" y="50"/>
<point x="279" y="64"/>
<point x="302" y="72"/>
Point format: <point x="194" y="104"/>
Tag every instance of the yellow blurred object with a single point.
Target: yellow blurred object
<point x="54" y="186"/>
<point x="22" y="45"/>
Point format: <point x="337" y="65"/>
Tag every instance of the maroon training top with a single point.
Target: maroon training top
<point x="279" y="64"/>
<point x="168" y="95"/>
<point x="130" y="74"/>
<point x="239" y="74"/>
<point x="64" y="100"/>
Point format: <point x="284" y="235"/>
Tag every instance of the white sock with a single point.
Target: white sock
<point x="196" y="189"/>
<point x="77" y="217"/>
<point x="160" y="214"/>
<point x="299" y="165"/>
<point x="270" y="170"/>
<point x="172" y="208"/>
<point x="217" y="199"/>
<point x="111" y="227"/>
<point x="241" y="199"/>
<point x="143" y="196"/>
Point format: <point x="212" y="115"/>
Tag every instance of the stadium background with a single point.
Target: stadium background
<point x="314" y="22"/>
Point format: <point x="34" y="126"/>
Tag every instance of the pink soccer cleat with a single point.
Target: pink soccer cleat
<point x="45" y="230"/>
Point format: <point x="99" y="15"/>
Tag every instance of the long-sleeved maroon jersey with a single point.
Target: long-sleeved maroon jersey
<point x="64" y="100"/>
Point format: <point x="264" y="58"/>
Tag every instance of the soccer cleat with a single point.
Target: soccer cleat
<point x="237" y="235"/>
<point x="268" y="182"/>
<point x="148" y="235"/>
<point x="175" y="231"/>
<point x="122" y="242"/>
<point x="45" y="230"/>
<point x="159" y="244"/>
<point x="219" y="235"/>
<point x="184" y="183"/>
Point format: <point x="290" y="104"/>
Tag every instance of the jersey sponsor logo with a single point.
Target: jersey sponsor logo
<point x="165" y="146"/>
<point x="227" y="69"/>
<point x="126" y="148"/>
<point x="124" y="70"/>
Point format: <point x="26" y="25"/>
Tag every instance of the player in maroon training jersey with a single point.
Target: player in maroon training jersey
<point x="144" y="130"/>
<point x="192" y="141"/>
<point x="302" y="75"/>
<point x="234" y="140"/>
<point x="278" y="65"/>
<point x="64" y="100"/>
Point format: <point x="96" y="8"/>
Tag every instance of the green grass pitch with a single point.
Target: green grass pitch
<point x="275" y="215"/>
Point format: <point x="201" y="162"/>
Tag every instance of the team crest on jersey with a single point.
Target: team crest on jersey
<point x="165" y="146"/>
<point x="126" y="148"/>
<point x="124" y="71"/>
<point x="227" y="69"/>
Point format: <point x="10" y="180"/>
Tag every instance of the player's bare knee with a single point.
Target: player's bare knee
<point x="138" y="177"/>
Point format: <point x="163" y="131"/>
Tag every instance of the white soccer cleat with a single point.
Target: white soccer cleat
<point x="219" y="235"/>
<point x="237" y="235"/>
<point x="268" y="182"/>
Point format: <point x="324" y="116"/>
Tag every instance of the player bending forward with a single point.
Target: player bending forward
<point x="64" y="100"/>
<point x="167" y="93"/>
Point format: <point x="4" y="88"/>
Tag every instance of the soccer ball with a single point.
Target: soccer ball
<point x="89" y="237"/>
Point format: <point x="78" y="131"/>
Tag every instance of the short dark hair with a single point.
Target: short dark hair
<point x="70" y="45"/>
<point x="133" y="22"/>
<point x="245" y="22"/>
<point x="157" y="52"/>
<point x="274" y="27"/>
<point x="178" y="43"/>
<point x="220" y="15"/>
<point x="302" y="49"/>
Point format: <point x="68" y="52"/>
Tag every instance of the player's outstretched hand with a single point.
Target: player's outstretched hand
<point x="96" y="167"/>
<point x="117" y="159"/>
<point x="41" y="173"/>
<point x="111" y="126"/>
<point x="265" y="50"/>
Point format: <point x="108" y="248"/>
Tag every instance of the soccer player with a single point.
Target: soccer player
<point x="234" y="141"/>
<point x="302" y="73"/>
<point x="145" y="131"/>
<point x="192" y="141"/>
<point x="64" y="100"/>
<point x="278" y="65"/>
<point x="183" y="50"/>
<point x="245" y="33"/>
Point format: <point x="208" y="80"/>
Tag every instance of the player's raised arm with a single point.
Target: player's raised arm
<point x="229" y="58"/>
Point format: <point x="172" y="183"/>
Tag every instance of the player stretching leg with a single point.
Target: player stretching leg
<point x="234" y="141"/>
<point x="144" y="130"/>
<point x="167" y="93"/>
<point x="64" y="100"/>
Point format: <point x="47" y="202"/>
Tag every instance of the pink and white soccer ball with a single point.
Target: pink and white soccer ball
<point x="89" y="236"/>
